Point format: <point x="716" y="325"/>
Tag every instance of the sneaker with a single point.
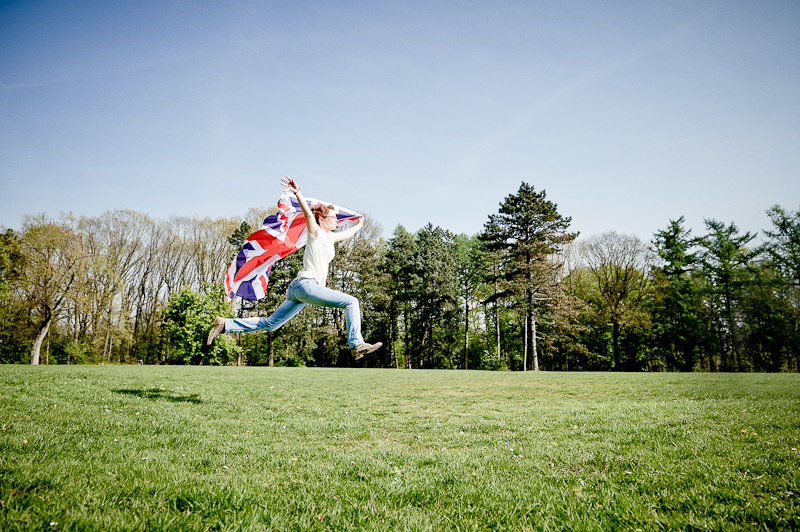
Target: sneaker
<point x="217" y="328"/>
<point x="363" y="349"/>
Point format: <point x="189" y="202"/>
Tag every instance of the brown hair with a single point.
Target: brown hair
<point x="320" y="211"/>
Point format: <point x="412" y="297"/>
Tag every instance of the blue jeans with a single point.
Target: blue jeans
<point x="300" y="292"/>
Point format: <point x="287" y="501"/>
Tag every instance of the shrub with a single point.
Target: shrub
<point x="186" y="319"/>
<point x="489" y="361"/>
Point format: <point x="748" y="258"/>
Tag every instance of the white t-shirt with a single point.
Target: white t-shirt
<point x="318" y="255"/>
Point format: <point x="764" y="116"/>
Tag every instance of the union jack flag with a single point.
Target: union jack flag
<point x="281" y="233"/>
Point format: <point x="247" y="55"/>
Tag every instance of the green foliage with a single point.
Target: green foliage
<point x="292" y="361"/>
<point x="432" y="338"/>
<point x="771" y="318"/>
<point x="78" y="353"/>
<point x="784" y="246"/>
<point x="5" y="264"/>
<point x="491" y="362"/>
<point x="16" y="322"/>
<point x="186" y="320"/>
<point x="238" y="237"/>
<point x="421" y="287"/>
<point x="17" y="328"/>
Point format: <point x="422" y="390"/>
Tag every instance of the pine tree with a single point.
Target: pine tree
<point x="784" y="244"/>
<point x="435" y="298"/>
<point x="527" y="230"/>
<point x="676" y="319"/>
<point x="725" y="258"/>
<point x="401" y="281"/>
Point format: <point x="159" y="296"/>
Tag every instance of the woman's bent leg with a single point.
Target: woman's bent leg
<point x="285" y="311"/>
<point x="309" y="291"/>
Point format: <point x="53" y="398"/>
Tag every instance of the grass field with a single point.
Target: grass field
<point x="226" y="448"/>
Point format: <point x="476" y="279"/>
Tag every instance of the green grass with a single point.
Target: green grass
<point x="207" y="448"/>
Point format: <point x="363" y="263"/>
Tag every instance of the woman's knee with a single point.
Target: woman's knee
<point x="352" y="302"/>
<point x="269" y="324"/>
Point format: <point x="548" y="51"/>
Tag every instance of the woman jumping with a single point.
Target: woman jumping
<point x="309" y="286"/>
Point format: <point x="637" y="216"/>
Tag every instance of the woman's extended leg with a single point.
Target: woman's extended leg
<point x="285" y="311"/>
<point x="300" y="292"/>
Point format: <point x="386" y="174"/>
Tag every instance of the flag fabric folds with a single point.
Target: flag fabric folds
<point x="281" y="233"/>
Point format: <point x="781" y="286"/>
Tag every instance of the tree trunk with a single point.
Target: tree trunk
<point x="466" y="332"/>
<point x="531" y="325"/>
<point x="487" y="320"/>
<point x="497" y="328"/>
<point x="738" y="359"/>
<point x="269" y="349"/>
<point x="37" y="343"/>
<point x="525" y="343"/>
<point x="77" y="331"/>
<point x="723" y="355"/>
<point x="533" y="341"/>
<point x="407" y="351"/>
<point x="422" y="347"/>
<point x="106" y="354"/>
<point x="497" y="320"/>
<point x="393" y="340"/>
<point x="615" y="346"/>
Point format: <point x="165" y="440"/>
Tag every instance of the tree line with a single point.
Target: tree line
<point x="524" y="293"/>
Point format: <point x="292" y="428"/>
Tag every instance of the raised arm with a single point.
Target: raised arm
<point x="311" y="223"/>
<point x="347" y="233"/>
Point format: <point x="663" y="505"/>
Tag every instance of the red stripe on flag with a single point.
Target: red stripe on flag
<point x="295" y="230"/>
<point x="271" y="246"/>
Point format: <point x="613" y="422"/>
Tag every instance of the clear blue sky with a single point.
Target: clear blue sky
<point x="628" y="114"/>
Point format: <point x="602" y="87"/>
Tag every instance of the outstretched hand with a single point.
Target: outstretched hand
<point x="350" y="231"/>
<point x="290" y="184"/>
